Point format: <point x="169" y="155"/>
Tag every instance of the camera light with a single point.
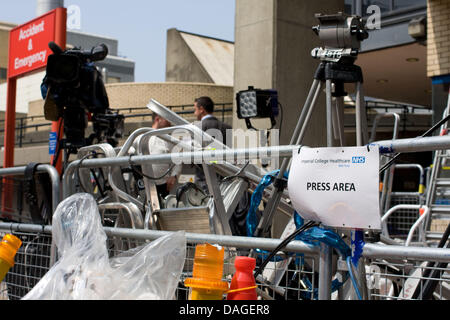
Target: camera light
<point x="257" y="103"/>
<point x="248" y="105"/>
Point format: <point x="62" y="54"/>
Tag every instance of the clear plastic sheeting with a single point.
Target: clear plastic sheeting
<point x="85" y="272"/>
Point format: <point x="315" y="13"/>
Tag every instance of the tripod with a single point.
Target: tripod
<point x="334" y="73"/>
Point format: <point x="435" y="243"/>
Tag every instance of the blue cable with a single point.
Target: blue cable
<point x="316" y="234"/>
<point x="350" y="272"/>
<point x="252" y="220"/>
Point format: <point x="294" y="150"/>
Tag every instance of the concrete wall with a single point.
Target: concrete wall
<point x="273" y="42"/>
<point x="127" y="95"/>
<point x="135" y="95"/>
<point x="18" y="115"/>
<point x="294" y="66"/>
<point x="28" y="89"/>
<point x="253" y="53"/>
<point x="4" y="43"/>
<point x="181" y="64"/>
<point x="4" y="40"/>
<point x="23" y="156"/>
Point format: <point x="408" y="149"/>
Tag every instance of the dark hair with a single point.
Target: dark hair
<point x="206" y="103"/>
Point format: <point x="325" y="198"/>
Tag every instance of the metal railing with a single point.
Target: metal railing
<point x="221" y="109"/>
<point x="392" y="270"/>
<point x="15" y="180"/>
<point x="310" y="281"/>
<point x="15" y="208"/>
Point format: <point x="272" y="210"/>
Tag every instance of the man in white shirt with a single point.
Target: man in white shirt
<point x="159" y="146"/>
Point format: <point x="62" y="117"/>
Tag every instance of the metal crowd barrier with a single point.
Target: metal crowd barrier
<point x="234" y="155"/>
<point x="301" y="282"/>
<point x="393" y="271"/>
<point x="15" y="207"/>
<point x="15" y="175"/>
<point x="400" y="223"/>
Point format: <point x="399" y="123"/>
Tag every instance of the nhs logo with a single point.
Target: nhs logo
<point x="358" y="159"/>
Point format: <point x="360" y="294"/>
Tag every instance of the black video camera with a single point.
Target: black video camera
<point x="73" y="89"/>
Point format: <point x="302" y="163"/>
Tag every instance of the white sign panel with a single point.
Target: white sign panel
<point x="337" y="186"/>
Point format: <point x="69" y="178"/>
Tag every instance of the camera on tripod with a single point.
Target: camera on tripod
<point x="341" y="36"/>
<point x="73" y="90"/>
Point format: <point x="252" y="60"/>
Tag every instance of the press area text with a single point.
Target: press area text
<point x="328" y="186"/>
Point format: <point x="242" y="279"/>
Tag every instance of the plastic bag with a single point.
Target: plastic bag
<point x="84" y="270"/>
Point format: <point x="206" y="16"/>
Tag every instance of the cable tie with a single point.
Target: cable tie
<point x="241" y="289"/>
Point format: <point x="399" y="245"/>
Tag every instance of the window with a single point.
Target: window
<point x="112" y="79"/>
<point x="349" y="5"/>
<point x="400" y="4"/>
<point x="3" y="73"/>
<point x="386" y="6"/>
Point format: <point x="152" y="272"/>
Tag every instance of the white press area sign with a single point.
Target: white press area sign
<point x="337" y="186"/>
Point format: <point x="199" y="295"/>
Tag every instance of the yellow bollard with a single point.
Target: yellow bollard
<point x="206" y="283"/>
<point x="8" y="249"/>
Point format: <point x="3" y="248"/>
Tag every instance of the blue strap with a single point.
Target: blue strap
<point x="251" y="220"/>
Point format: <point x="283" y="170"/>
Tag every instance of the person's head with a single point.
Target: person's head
<point x="203" y="106"/>
<point x="159" y="122"/>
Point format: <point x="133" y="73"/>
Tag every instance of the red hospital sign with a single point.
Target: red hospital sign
<point x="28" y="44"/>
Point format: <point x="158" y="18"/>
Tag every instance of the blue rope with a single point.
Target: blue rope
<point x="251" y="219"/>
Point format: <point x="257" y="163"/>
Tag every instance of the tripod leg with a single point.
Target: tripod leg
<point x="325" y="272"/>
<point x="308" y="116"/>
<point x="275" y="197"/>
<point x="329" y="103"/>
<point x="361" y="117"/>
<point x="338" y="123"/>
<point x="361" y="138"/>
<point x="306" y="111"/>
<point x="325" y="256"/>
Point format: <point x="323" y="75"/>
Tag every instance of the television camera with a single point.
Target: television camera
<point x="73" y="90"/>
<point x="341" y="36"/>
